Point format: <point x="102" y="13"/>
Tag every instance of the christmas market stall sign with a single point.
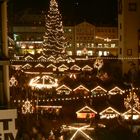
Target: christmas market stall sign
<point x="7" y="124"/>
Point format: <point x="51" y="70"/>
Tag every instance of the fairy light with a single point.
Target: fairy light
<point x="132" y="101"/>
<point x="13" y="82"/>
<point x="106" y="39"/>
<point x="54" y="40"/>
<point x="128" y="114"/>
<point x="43" y="82"/>
<point x="115" y="91"/>
<point x="109" y="113"/>
<point x="80" y="129"/>
<point x="98" y="63"/>
<point x="27" y="107"/>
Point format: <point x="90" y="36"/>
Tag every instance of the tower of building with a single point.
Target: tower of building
<point x="128" y="27"/>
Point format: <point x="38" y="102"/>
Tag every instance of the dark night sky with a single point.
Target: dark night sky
<point x="95" y="11"/>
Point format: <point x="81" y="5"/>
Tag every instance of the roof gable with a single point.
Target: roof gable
<point x="63" y="87"/>
<point x="87" y="68"/>
<point x="109" y="110"/>
<point x="115" y="90"/>
<point x="28" y="57"/>
<point x="26" y="66"/>
<point x="129" y="112"/>
<point x="86" y="109"/>
<point x="75" y="67"/>
<point x="98" y="88"/>
<point x="39" y="65"/>
<point x="42" y="58"/>
<point x="81" y="87"/>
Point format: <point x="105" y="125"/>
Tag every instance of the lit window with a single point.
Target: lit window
<point x="113" y="45"/>
<point x="100" y="45"/>
<point x="92" y="45"/>
<point x="79" y="52"/>
<point x="23" y="46"/>
<point x="106" y="53"/>
<point x="69" y="52"/>
<point x="77" y="44"/>
<point x="100" y="53"/>
<point x="31" y="47"/>
<point x="106" y="45"/>
<point x="90" y="53"/>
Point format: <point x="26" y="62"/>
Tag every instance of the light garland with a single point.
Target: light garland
<point x="63" y="99"/>
<point x="106" y="39"/>
<point x="108" y="58"/>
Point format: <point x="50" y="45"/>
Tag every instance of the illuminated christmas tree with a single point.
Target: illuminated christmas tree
<point x="54" y="40"/>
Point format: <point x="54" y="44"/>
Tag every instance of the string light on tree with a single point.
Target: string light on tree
<point x="27" y="107"/>
<point x="54" y="40"/>
<point x="132" y="101"/>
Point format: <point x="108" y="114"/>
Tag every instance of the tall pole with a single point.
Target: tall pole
<point x="4" y="62"/>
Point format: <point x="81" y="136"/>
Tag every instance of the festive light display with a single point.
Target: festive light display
<point x="75" y="67"/>
<point x="115" y="91"/>
<point x="63" y="89"/>
<point x="43" y="82"/>
<point x="63" y="67"/>
<point x="87" y="68"/>
<point x="39" y="65"/>
<point x="26" y="66"/>
<point x="63" y="99"/>
<point x="73" y="76"/>
<point x="99" y="90"/>
<point x="52" y="66"/>
<point x="86" y="111"/>
<point x="128" y="114"/>
<point x="132" y="101"/>
<point x="27" y="107"/>
<point x="109" y="113"/>
<point x="28" y="58"/>
<point x="54" y="40"/>
<point x="106" y="39"/>
<point x="13" y="82"/>
<point x="43" y="58"/>
<point x="98" y="63"/>
<point x="81" y="130"/>
<point x="81" y="87"/>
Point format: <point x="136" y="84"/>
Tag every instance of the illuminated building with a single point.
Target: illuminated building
<point x="82" y="39"/>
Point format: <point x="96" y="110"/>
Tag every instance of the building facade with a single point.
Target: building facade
<point x="81" y="39"/>
<point x="128" y="27"/>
